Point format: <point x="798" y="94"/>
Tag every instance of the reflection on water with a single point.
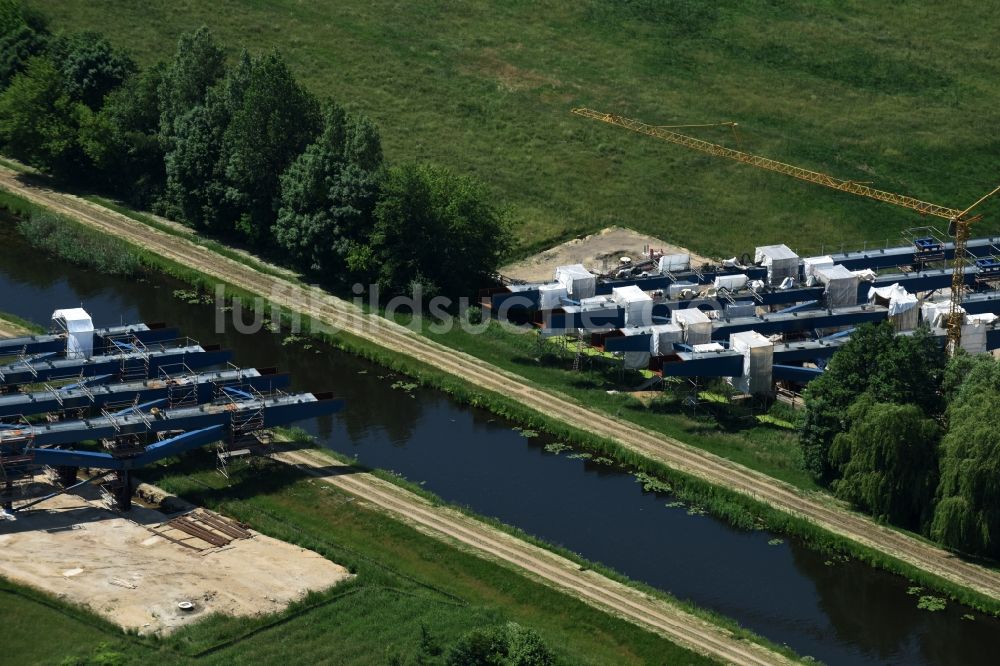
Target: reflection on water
<point x="840" y="613"/>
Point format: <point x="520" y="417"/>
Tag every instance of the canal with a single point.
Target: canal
<point x="837" y="612"/>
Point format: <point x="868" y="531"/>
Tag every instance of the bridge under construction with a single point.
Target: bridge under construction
<point x="114" y="400"/>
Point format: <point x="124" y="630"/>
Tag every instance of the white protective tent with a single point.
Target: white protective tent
<point x="758" y="361"/>
<point x="903" y="306"/>
<point x="663" y="338"/>
<point x="696" y="325"/>
<point x="674" y="262"/>
<point x="550" y="296"/>
<point x="780" y="261"/>
<point x="638" y="305"/>
<point x="841" y="286"/>
<point x="79" y="329"/>
<point x="935" y="314"/>
<point x="579" y="282"/>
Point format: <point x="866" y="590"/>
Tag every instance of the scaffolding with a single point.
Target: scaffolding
<point x="928" y="246"/>
<point x="17" y="468"/>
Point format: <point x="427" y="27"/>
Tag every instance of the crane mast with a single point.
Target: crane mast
<point x="959" y="224"/>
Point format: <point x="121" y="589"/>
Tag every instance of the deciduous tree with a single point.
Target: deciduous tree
<point x="888" y="462"/>
<point x="271" y="123"/>
<point x="435" y="229"/>
<point x="328" y="195"/>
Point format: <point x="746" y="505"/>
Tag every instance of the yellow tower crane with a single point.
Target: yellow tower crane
<point x="959" y="220"/>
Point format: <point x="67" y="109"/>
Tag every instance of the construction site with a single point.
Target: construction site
<point x="85" y="409"/>
<point x="768" y="322"/>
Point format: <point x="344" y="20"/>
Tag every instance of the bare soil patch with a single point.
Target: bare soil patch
<point x="115" y="565"/>
<point x="598" y="252"/>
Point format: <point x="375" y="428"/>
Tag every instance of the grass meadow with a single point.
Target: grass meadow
<point x="902" y="94"/>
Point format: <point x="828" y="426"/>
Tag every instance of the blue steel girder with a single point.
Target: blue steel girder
<point x="202" y="387"/>
<point x="194" y="357"/>
<point x="904" y="255"/>
<point x="275" y="411"/>
<point x="203" y="425"/>
<point x="705" y="364"/>
<point x="799" y="321"/>
<point x="157" y="451"/>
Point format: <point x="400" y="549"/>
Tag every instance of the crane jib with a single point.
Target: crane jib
<point x="922" y="207"/>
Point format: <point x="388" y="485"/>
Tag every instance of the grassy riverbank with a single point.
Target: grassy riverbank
<point x="734" y="507"/>
<point x="405" y="581"/>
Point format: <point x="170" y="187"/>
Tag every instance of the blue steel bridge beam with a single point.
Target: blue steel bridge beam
<point x="56" y="342"/>
<point x="276" y="411"/>
<point x="172" y="446"/>
<point x="202" y="386"/>
<point x="194" y="357"/>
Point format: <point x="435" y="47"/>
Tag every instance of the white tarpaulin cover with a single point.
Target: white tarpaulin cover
<point x="936" y="314"/>
<point x="903" y="310"/>
<point x="664" y="337"/>
<point x="674" y="262"/>
<point x="79" y="329"/>
<point x="730" y="282"/>
<point x="974" y="335"/>
<point x="866" y="275"/>
<point x="841" y="286"/>
<point x="637" y="304"/>
<point x="708" y="347"/>
<point x="579" y="282"/>
<point x="810" y="264"/>
<point x="696" y="325"/>
<point x="780" y="261"/>
<point x="758" y="361"/>
<point x="550" y="295"/>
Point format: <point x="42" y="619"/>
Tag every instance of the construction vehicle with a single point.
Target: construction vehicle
<point x="959" y="221"/>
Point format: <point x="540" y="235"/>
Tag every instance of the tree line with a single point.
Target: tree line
<point x="899" y="430"/>
<point x="241" y="150"/>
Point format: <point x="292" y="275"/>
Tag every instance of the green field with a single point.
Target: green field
<point x="904" y="94"/>
<point x="405" y="579"/>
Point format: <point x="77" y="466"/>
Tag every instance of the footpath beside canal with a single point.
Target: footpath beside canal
<point x="342" y="315"/>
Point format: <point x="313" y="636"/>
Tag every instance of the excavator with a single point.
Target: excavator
<point x="959" y="221"/>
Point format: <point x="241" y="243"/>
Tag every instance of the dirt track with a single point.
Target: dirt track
<point x="342" y="315"/>
<point x="594" y="589"/>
